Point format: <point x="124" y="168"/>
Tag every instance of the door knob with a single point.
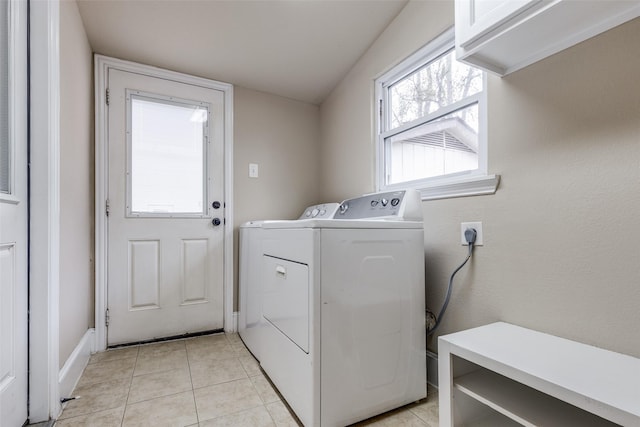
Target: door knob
<point x="216" y="222"/>
<point x="216" y="205"/>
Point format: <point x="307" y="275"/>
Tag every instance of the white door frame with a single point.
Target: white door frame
<point x="102" y="66"/>
<point x="44" y="277"/>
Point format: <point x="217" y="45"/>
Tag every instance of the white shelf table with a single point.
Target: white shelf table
<point x="506" y="375"/>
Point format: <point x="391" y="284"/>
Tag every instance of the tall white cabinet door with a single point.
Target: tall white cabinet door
<point x="165" y="238"/>
<point x="13" y="213"/>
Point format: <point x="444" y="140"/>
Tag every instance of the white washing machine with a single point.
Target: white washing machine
<point x="250" y="320"/>
<point x="343" y="306"/>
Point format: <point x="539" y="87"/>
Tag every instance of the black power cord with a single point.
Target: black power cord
<point x="470" y="235"/>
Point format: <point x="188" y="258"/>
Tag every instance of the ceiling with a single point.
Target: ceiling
<point x="298" y="49"/>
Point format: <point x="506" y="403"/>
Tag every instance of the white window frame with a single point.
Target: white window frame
<point x="14" y="104"/>
<point x="168" y="100"/>
<point x="468" y="183"/>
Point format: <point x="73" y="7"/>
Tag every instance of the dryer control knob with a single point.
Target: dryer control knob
<point x="314" y="213"/>
<point x="374" y="203"/>
<point x="343" y="208"/>
<point x="395" y="201"/>
<point x="384" y="202"/>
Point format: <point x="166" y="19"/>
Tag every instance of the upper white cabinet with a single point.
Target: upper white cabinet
<point x="503" y="36"/>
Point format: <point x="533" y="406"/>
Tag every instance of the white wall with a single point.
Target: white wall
<point x="561" y="253"/>
<point x="347" y="130"/>
<point x="281" y="136"/>
<point x="76" y="181"/>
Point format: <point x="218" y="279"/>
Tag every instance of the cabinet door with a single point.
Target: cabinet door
<point x="475" y="18"/>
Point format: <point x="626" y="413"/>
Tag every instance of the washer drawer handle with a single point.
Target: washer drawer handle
<point x="281" y="271"/>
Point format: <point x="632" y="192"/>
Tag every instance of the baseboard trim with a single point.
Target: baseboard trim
<point x="234" y="326"/>
<point x="74" y="366"/>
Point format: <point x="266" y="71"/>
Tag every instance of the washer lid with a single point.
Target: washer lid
<point x="343" y="223"/>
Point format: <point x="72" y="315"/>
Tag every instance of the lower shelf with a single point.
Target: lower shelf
<point x="522" y="404"/>
<point x="493" y="420"/>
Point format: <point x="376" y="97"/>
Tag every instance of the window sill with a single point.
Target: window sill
<point x="455" y="187"/>
<point x="9" y="198"/>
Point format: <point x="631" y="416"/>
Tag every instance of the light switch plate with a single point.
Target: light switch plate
<point x="253" y="170"/>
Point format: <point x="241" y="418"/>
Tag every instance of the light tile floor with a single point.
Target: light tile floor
<point x="208" y="381"/>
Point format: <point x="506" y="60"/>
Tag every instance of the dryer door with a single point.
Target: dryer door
<point x="286" y="298"/>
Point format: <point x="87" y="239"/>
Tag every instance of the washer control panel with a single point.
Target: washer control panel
<point x="398" y="205"/>
<point x="322" y="211"/>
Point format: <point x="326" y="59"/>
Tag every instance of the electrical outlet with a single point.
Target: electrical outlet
<point x="477" y="226"/>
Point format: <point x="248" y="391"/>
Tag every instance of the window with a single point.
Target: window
<point x="432" y="126"/>
<point x="167" y="149"/>
<point x="5" y="146"/>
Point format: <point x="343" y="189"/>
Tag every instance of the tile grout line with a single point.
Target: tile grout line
<point x="193" y="391"/>
<point x="264" y="404"/>
<point x="126" y="403"/>
<point x="94" y="385"/>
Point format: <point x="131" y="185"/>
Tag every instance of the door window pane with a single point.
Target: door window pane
<point x="5" y="152"/>
<point x="168" y="154"/>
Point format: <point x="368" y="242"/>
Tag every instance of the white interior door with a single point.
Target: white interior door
<point x="13" y="214"/>
<point x="165" y="207"/>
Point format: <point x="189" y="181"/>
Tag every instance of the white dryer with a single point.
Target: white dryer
<point x="343" y="306"/>
<point x="249" y="303"/>
<point x="250" y="320"/>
